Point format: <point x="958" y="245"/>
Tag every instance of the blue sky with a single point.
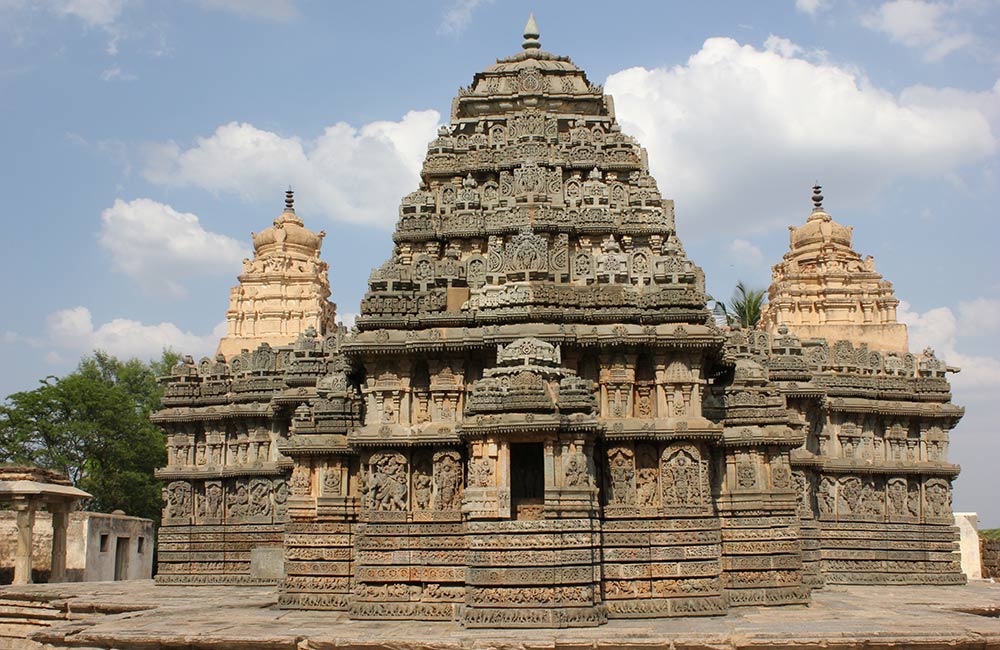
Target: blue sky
<point x="145" y="140"/>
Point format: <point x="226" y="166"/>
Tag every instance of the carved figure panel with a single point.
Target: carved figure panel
<point x="575" y="470"/>
<point x="621" y="475"/>
<point x="260" y="498"/>
<point x="237" y="500"/>
<point x="387" y="487"/>
<point x="682" y="477"/>
<point x="178" y="500"/>
<point x="937" y="498"/>
<point x="849" y="495"/>
<point x="447" y="480"/>
<point x="422" y="486"/>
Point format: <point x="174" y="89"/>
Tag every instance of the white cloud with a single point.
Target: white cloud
<point x="266" y="9"/>
<point x="812" y="7"/>
<point x="72" y="331"/>
<point x="458" y="16"/>
<point x="93" y="13"/>
<point x="938" y="329"/>
<point x="348" y="174"/>
<point x="159" y="247"/>
<point x="979" y="316"/>
<point x="737" y="135"/>
<point x="101" y="14"/>
<point x="986" y="102"/>
<point x="782" y="46"/>
<point x="921" y="24"/>
<point x="745" y="253"/>
<point x="115" y="73"/>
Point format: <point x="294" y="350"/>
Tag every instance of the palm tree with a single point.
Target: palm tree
<point x="746" y="305"/>
<point x="744" y="308"/>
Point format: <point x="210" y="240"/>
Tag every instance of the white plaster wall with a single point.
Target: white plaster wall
<point x="968" y="541"/>
<point x="101" y="564"/>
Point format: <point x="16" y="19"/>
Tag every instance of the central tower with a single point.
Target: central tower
<point x="539" y="325"/>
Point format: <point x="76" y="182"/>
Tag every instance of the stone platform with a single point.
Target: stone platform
<point x="139" y="615"/>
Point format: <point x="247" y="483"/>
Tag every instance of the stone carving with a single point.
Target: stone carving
<point x="387" y="486"/>
<point x="178" y="500"/>
<point x="622" y="473"/>
<point x="937" y="498"/>
<point x="826" y="495"/>
<point x="260" y="498"/>
<point x="332" y="481"/>
<point x="849" y="495"/>
<point x="447" y="480"/>
<point x="481" y="472"/>
<point x="681" y="477"/>
<point x="213" y="500"/>
<point x="301" y="482"/>
<point x="575" y="471"/>
<point x="237" y="500"/>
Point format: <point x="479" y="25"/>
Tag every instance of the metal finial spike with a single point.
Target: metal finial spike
<point x="817" y="197"/>
<point x="531" y="34"/>
<point x="289" y="200"/>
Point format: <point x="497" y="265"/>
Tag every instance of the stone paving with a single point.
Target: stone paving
<point x="139" y="615"/>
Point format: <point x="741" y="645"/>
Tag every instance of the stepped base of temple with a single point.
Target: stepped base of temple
<point x="138" y="614"/>
<point x="863" y="553"/>
<point x="216" y="554"/>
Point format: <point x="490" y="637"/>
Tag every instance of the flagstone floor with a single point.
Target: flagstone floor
<point x="139" y="615"/>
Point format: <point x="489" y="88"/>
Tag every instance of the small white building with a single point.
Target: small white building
<point x="99" y="546"/>
<point x="58" y="545"/>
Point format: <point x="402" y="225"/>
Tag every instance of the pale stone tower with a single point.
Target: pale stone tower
<point x="824" y="289"/>
<point x="283" y="291"/>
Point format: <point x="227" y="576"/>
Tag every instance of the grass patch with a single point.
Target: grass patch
<point x="990" y="533"/>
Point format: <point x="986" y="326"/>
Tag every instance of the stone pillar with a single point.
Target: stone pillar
<point x="25" y="525"/>
<point x="60" y="520"/>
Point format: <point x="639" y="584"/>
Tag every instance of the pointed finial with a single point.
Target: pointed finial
<point x="289" y="200"/>
<point x="817" y="197"/>
<point x="531" y="35"/>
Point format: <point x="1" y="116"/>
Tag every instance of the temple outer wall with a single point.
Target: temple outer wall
<point x="989" y="550"/>
<point x="84" y="560"/>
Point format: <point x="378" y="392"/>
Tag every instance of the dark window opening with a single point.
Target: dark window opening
<point x="140" y="544"/>
<point x="104" y="543"/>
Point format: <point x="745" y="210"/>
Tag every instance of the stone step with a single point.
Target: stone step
<point x="18" y="611"/>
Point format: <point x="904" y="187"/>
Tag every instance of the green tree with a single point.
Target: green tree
<point x="745" y="307"/>
<point x="93" y="425"/>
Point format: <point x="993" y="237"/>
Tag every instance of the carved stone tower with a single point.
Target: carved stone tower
<point x="822" y="288"/>
<point x="282" y="291"/>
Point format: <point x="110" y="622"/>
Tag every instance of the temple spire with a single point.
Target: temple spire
<point x="817" y="198"/>
<point x="290" y="200"/>
<point x="531" y="34"/>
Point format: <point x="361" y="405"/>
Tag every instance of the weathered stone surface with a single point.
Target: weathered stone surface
<point x="129" y="616"/>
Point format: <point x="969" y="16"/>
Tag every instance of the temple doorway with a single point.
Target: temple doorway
<point x="527" y="479"/>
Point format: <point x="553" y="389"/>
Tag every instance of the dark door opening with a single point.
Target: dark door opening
<point x="527" y="479"/>
<point x="121" y="559"/>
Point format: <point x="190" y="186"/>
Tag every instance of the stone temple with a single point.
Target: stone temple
<point x="535" y="421"/>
